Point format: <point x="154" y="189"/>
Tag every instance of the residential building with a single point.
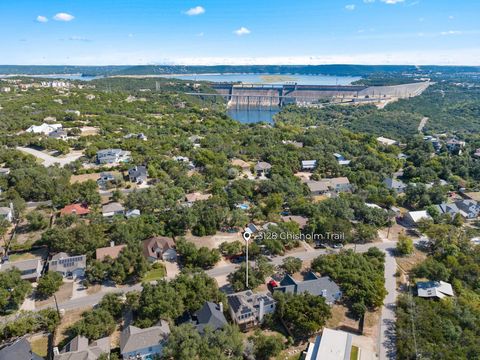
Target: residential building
<point x="18" y="349"/>
<point x="413" y="217"/>
<point x="30" y="269"/>
<point x="331" y="345"/>
<point x="44" y="129"/>
<point x="138" y="174"/>
<point x="140" y="136"/>
<point x="6" y="213"/>
<point x="245" y="166"/>
<point x="262" y="168"/>
<point x="113" y="156"/>
<point x="159" y="248"/>
<point x="185" y="160"/>
<point x="309" y="164"/>
<point x="341" y="159"/>
<point x="113" y="209"/>
<point x="323" y="186"/>
<point x="59" y="134"/>
<point x="434" y="289"/>
<point x="69" y="266"/>
<point x="318" y="187"/>
<point x="79" y="348"/>
<point x="4" y="171"/>
<point x="312" y="284"/>
<point x="105" y="178"/>
<point x="133" y="213"/>
<point x="396" y="185"/>
<point x="75" y="209"/>
<point x="143" y="344"/>
<point x="477" y="153"/>
<point x="111" y="251"/>
<point x="248" y="309"/>
<point x="210" y="315"/>
<point x="455" y="146"/>
<point x="468" y="209"/>
<point x="301" y="221"/>
<point x="386" y="141"/>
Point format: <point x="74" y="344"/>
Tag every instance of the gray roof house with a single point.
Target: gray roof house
<point x="138" y="174"/>
<point x="210" y="315"/>
<point x="112" y="209"/>
<point x="79" y="349"/>
<point x="262" y="168"/>
<point x="30" y="269"/>
<point x="396" y="185"/>
<point x="136" y="343"/>
<point x="19" y="349"/>
<point x="468" y="209"/>
<point x="69" y="266"/>
<point x="113" y="156"/>
<point x="6" y="213"/>
<point x="312" y="284"/>
<point x="247" y="309"/>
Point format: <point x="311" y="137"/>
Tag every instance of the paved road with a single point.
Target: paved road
<point x="422" y="124"/>
<point x="49" y="160"/>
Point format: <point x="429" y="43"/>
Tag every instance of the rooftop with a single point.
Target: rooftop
<point x="134" y="338"/>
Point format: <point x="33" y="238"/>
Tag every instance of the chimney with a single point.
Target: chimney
<point x="55" y="351"/>
<point x="112" y="243"/>
<point x="261" y="310"/>
<point x="220" y="305"/>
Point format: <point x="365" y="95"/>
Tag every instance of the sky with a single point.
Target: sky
<point x="211" y="32"/>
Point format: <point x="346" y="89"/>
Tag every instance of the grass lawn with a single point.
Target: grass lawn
<point x="40" y="345"/>
<point x="154" y="274"/>
<point x="354" y="353"/>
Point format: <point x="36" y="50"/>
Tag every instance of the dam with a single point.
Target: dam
<point x="270" y="96"/>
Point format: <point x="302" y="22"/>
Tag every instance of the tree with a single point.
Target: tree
<point x="303" y="314"/>
<point x="36" y="221"/>
<point x="193" y="257"/>
<point x="231" y="248"/>
<point x="49" y="284"/>
<point x="13" y="290"/>
<point x="405" y="245"/>
<point x="266" y="347"/>
<point x="292" y="264"/>
<point x="113" y="304"/>
<point x="256" y="275"/>
<point x="94" y="324"/>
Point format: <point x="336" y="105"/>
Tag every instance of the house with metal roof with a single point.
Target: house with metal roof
<point x="30" y="269"/>
<point x="143" y="344"/>
<point x="79" y="348"/>
<point x="434" y="289"/>
<point x="210" y="315"/>
<point x="331" y="345"/>
<point x="413" y="217"/>
<point x="396" y="185"/>
<point x="312" y="284"/>
<point x="113" y="156"/>
<point x="248" y="309"/>
<point x="69" y="266"/>
<point x="309" y="164"/>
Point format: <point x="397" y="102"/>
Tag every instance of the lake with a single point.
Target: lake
<point x="248" y="116"/>
<point x="270" y="79"/>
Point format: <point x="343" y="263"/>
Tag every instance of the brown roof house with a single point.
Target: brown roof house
<point x="159" y="248"/>
<point x="111" y="251"/>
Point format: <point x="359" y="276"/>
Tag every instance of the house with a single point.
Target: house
<point x="75" y="209"/>
<point x="262" y="168"/>
<point x="111" y="251"/>
<point x="30" y="269"/>
<point x="317" y="187"/>
<point x="477" y="153"/>
<point x="248" y="309"/>
<point x="245" y="166"/>
<point x="455" y="146"/>
<point x="143" y="344"/>
<point x="301" y="221"/>
<point x="396" y="185"/>
<point x="6" y="213"/>
<point x="133" y="213"/>
<point x="339" y="184"/>
<point x="113" y="209"/>
<point x="210" y="315"/>
<point x="79" y="348"/>
<point x="159" y="248"/>
<point x="413" y="217"/>
<point x="341" y="160"/>
<point x="386" y="141"/>
<point x="113" y="156"/>
<point x="4" y="171"/>
<point x="140" y="136"/>
<point x="185" y="160"/>
<point x="196" y="196"/>
<point x="434" y="289"/>
<point x="44" y="129"/>
<point x="69" y="266"/>
<point x="138" y="174"/>
<point x="312" y="284"/>
<point x="468" y="209"/>
<point x="296" y="144"/>
<point x="105" y="178"/>
<point x="18" y="349"/>
<point x="58" y="134"/>
<point x="309" y="164"/>
<point x="331" y="345"/>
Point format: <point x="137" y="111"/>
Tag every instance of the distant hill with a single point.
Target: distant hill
<point x="338" y="70"/>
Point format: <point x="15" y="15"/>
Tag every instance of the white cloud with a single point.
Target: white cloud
<point x="451" y="17"/>
<point x="242" y="31"/>
<point x="78" y="38"/>
<point x="392" y="2"/>
<point x="368" y="1"/>
<point x="197" y="10"/>
<point x="451" y="32"/>
<point x="350" y="7"/>
<point x="42" y="19"/>
<point x="63" y="17"/>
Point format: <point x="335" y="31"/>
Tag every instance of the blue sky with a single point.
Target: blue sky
<point x="101" y="32"/>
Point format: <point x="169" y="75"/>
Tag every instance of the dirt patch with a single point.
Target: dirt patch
<point x="67" y="320"/>
<point x="93" y="289"/>
<point x="214" y="241"/>
<point x="89" y="131"/>
<point x="63" y="294"/>
<point x="407" y="263"/>
<point x="39" y="344"/>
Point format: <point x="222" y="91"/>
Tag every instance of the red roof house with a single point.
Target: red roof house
<point x="75" y="209"/>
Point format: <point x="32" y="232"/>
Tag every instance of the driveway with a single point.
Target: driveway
<point x="49" y="160"/>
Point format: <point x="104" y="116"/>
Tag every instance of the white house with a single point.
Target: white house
<point x="413" y="217"/>
<point x="309" y="164"/>
<point x="69" y="266"/>
<point x="331" y="345"/>
<point x="44" y="128"/>
<point x="112" y="209"/>
<point x="6" y="213"/>
<point x="434" y="289"/>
